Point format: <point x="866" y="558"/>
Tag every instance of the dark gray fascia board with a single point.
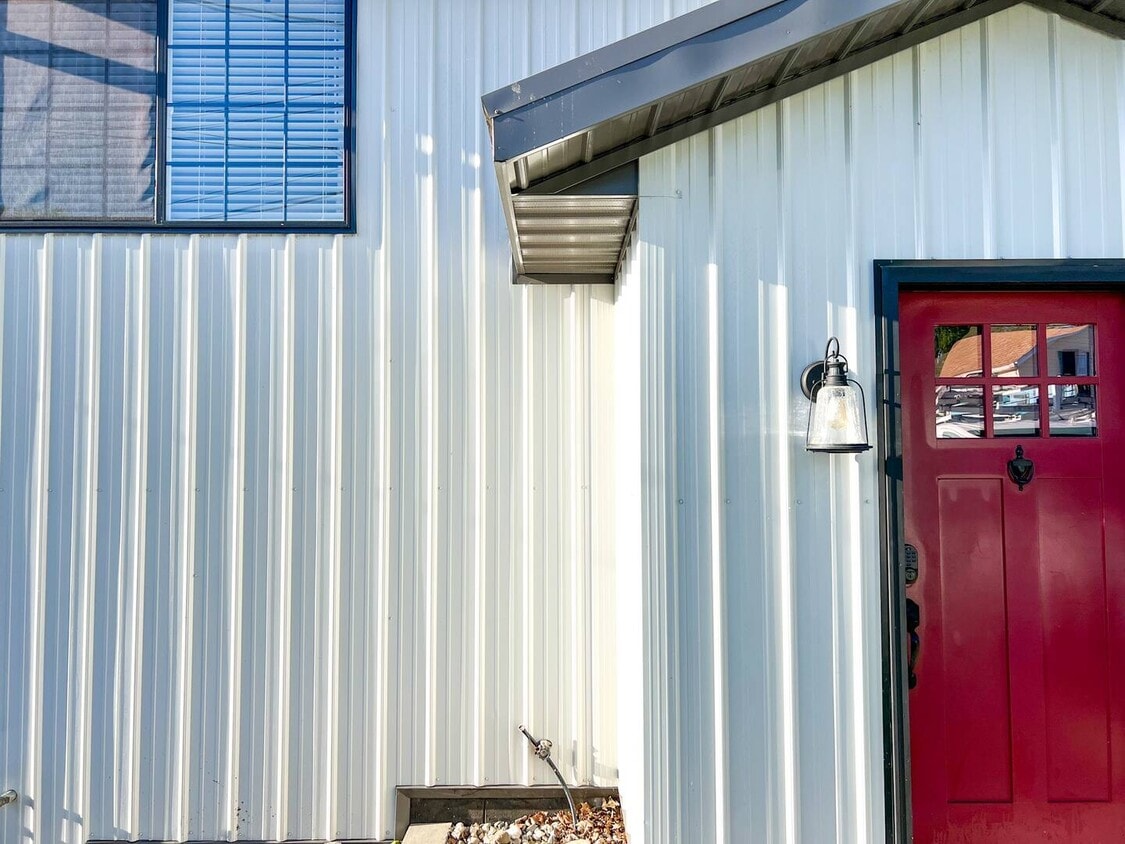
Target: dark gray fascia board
<point x="1086" y="17"/>
<point x="731" y="111"/>
<point x="623" y="52"/>
<point x="758" y="33"/>
<point x="702" y="45"/>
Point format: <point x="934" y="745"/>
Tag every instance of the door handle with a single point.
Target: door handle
<point x="8" y="796"/>
<point x="913" y="620"/>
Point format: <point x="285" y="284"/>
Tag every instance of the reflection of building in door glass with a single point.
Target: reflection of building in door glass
<point x="1070" y="351"/>
<point x="1015" y="410"/>
<point x="960" y="412"/>
<point x="1073" y="409"/>
<point x="1016" y="353"/>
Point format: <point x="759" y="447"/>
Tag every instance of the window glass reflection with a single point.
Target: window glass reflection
<point x="1015" y="410"/>
<point x="1014" y="354"/>
<point x="1074" y="410"/>
<point x="957" y="351"/>
<point x="959" y="413"/>
<point x="1070" y="349"/>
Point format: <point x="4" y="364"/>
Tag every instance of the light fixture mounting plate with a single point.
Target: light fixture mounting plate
<point x="811" y="379"/>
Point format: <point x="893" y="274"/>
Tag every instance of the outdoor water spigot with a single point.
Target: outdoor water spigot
<point x="542" y="749"/>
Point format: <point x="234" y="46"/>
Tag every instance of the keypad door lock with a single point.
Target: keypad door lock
<point x="911" y="568"/>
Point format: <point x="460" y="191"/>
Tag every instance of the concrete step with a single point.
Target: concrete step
<point x="426" y="833"/>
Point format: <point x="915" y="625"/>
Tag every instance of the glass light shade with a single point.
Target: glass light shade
<point x="837" y="422"/>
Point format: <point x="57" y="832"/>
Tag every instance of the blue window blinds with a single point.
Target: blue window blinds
<point x="256" y="110"/>
<point x="78" y="89"/>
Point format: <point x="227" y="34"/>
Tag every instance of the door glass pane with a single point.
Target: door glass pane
<point x="1013" y="351"/>
<point x="957" y="351"/>
<point x="1074" y="410"/>
<point x="959" y="413"/>
<point x="1015" y="410"/>
<point x="1070" y="349"/>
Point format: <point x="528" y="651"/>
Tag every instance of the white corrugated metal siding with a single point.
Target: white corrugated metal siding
<point x="288" y="521"/>
<point x="749" y="569"/>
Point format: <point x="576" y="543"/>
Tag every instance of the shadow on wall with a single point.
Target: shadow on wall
<point x="78" y="84"/>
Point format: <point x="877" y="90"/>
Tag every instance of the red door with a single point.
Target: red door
<point x="1017" y="716"/>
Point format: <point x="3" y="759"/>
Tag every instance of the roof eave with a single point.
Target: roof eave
<point x="560" y="129"/>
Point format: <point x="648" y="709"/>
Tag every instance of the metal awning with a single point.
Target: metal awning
<point x="566" y="141"/>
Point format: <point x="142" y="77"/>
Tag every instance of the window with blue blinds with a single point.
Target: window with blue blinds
<point x="191" y="114"/>
<point x="256" y="111"/>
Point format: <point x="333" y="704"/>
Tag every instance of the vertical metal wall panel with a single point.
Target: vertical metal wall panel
<point x="760" y="668"/>
<point x="287" y="521"/>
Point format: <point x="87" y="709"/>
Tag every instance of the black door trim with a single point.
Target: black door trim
<point x="890" y="278"/>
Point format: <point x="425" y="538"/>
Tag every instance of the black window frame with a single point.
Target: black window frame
<point x="160" y="221"/>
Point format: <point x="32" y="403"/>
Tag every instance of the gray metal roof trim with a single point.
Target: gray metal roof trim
<point x="1104" y="16"/>
<point x="577" y="108"/>
<point x="645" y="43"/>
<point x="636" y="149"/>
<point x="639" y="71"/>
<point x="539" y="167"/>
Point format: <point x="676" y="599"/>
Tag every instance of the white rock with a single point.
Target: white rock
<point x="515" y="833"/>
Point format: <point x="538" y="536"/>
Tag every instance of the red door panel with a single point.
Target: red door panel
<point x="1073" y="596"/>
<point x="974" y="640"/>
<point x="1017" y="719"/>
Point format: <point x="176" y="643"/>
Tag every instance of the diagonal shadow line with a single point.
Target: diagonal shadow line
<point x="123" y="21"/>
<point x="100" y="70"/>
<point x="127" y="77"/>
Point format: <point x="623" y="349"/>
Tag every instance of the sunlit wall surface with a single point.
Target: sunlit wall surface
<point x="757" y="579"/>
<point x="288" y="521"/>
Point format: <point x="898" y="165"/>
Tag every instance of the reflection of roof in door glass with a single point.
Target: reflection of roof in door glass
<point x="1009" y="348"/>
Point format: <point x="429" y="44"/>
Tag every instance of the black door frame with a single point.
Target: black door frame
<point x="891" y="277"/>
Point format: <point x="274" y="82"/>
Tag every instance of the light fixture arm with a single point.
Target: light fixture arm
<point x="832" y="370"/>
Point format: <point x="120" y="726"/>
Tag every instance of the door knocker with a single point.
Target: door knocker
<point x="1020" y="469"/>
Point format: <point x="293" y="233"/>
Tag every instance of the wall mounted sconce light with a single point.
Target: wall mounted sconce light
<point x="838" y="417"/>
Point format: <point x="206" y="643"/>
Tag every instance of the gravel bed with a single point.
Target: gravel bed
<point x="595" y="826"/>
